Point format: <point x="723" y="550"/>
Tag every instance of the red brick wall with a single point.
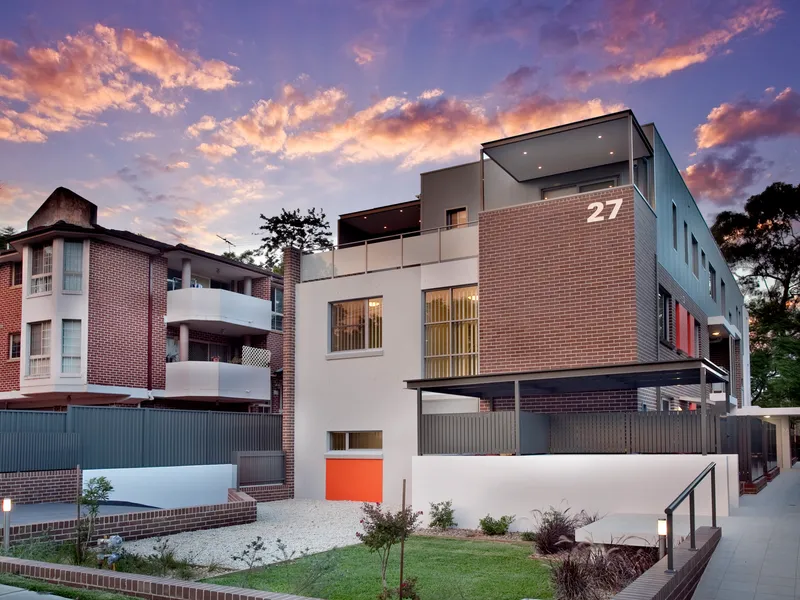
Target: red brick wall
<point x="10" y="322"/>
<point x="261" y="288"/>
<point x="118" y="306"/>
<point x="291" y="277"/>
<point x="556" y="291"/>
<point x="611" y="401"/>
<point x="36" y="487"/>
<point x="267" y="493"/>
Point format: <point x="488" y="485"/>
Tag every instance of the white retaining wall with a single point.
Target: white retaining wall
<point x="606" y="484"/>
<point x="169" y="487"/>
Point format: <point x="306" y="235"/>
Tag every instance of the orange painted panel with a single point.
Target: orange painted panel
<point x="358" y="479"/>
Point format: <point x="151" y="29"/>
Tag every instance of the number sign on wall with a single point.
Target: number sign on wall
<point x="598" y="209"/>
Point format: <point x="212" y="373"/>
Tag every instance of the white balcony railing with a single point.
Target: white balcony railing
<point x="226" y="381"/>
<point x="394" y="252"/>
<point x="221" y="306"/>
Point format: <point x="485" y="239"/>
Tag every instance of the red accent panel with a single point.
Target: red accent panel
<point x="358" y="479"/>
<point x="690" y="335"/>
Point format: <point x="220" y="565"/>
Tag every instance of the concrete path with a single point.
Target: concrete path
<point x="14" y="593"/>
<point x="25" y="514"/>
<point x="759" y="555"/>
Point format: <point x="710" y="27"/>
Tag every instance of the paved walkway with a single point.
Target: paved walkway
<point x="24" y="514"/>
<point x="14" y="593"/>
<point x="759" y="555"/>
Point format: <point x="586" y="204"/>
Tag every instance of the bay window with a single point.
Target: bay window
<point x="39" y="349"/>
<point x="451" y="332"/>
<point x="70" y="346"/>
<point x="41" y="269"/>
<point x="357" y="325"/>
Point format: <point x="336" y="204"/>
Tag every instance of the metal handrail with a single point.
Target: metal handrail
<point x="395" y="236"/>
<point x="689" y="492"/>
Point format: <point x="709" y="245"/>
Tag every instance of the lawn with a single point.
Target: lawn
<point x="59" y="590"/>
<point x="445" y="569"/>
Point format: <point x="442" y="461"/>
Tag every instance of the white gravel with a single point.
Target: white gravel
<point x="318" y="525"/>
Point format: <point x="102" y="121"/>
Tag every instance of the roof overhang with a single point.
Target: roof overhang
<point x="585" y="144"/>
<point x="208" y="264"/>
<point x="719" y="328"/>
<point x="765" y="411"/>
<point x="585" y="379"/>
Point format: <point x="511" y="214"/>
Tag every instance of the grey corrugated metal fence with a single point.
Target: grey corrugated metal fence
<point x="29" y="451"/>
<point x="588" y="433"/>
<point x="17" y="421"/>
<point x="260" y="468"/>
<point x="469" y="433"/>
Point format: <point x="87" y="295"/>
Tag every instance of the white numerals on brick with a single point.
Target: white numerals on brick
<point x="598" y="207"/>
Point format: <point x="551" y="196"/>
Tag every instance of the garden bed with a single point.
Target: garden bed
<point x="43" y="587"/>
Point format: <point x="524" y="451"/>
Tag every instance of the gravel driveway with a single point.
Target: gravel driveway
<point x="314" y="524"/>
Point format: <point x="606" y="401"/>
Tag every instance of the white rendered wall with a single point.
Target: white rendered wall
<point x="606" y="484"/>
<point x="169" y="487"/>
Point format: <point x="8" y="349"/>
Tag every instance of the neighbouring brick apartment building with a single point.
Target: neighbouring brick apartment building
<point x="91" y="315"/>
<point x="577" y="246"/>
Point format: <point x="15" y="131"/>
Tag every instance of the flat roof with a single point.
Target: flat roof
<point x="585" y="379"/>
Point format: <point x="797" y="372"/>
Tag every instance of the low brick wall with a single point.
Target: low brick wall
<point x="268" y="493"/>
<point x="37" y="487"/>
<point x="140" y="586"/>
<point x="239" y="510"/>
<point x="656" y="584"/>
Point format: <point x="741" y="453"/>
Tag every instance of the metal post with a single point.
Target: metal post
<point x="662" y="546"/>
<point x="366" y="257"/>
<point x="516" y="418"/>
<point x="703" y="410"/>
<point x="6" y="531"/>
<point x="403" y="538"/>
<point x="693" y="541"/>
<point x="630" y="147"/>
<point x="439" y="236"/>
<point x="483" y="183"/>
<point x="670" y="558"/>
<point x="419" y="421"/>
<point x="333" y="263"/>
<point x="713" y="497"/>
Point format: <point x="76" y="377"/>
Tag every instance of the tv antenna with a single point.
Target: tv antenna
<point x="230" y="243"/>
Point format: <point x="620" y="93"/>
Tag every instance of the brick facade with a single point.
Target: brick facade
<point x="36" y="487"/>
<point x="608" y="401"/>
<point x="10" y="322"/>
<point x="539" y="260"/>
<point x="291" y="277"/>
<point x="268" y="493"/>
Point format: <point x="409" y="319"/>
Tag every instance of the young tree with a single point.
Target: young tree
<point x="762" y="247"/>
<point x="306" y="232"/>
<point x="6" y="232"/>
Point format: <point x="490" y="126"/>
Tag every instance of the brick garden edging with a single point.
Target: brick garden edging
<point x="239" y="510"/>
<point x="267" y="493"/>
<point x="655" y="584"/>
<point x="140" y="586"/>
<point x="37" y="487"/>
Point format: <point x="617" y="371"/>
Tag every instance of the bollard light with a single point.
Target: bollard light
<point x="662" y="527"/>
<point x="6" y="523"/>
<point x="662" y="538"/>
<point x="6" y="504"/>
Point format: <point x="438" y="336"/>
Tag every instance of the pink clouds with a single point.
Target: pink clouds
<point x="67" y="86"/>
<point x="723" y="180"/>
<point x="216" y="152"/>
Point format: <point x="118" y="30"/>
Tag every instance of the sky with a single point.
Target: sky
<point x="185" y="120"/>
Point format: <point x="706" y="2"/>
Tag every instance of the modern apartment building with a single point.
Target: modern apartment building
<point x="573" y="247"/>
<point x="91" y="315"/>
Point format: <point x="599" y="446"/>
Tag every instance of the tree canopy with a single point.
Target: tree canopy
<point x="6" y="231"/>
<point x="307" y="232"/>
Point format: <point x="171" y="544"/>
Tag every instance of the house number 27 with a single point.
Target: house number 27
<point x="598" y="208"/>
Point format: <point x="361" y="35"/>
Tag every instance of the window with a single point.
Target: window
<point x="712" y="282"/>
<point x="208" y="352"/>
<point x="451" y="332"/>
<point x="722" y="301"/>
<point x="641" y="176"/>
<point x="456" y="217"/>
<point x="685" y="243"/>
<point x="276" y="297"/>
<point x="39" y="349"/>
<point x="674" y="226"/>
<point x="355" y="440"/>
<point x="73" y="266"/>
<point x="70" y="346"/>
<point x="14" y="340"/>
<point x="41" y="269"/>
<point x="703" y="259"/>
<point x="665" y="405"/>
<point x="685" y="330"/>
<point x="594" y="187"/>
<point x="664" y="316"/>
<point x="696" y="341"/>
<point x="695" y="258"/>
<point x="16" y="274"/>
<point x="357" y="325"/>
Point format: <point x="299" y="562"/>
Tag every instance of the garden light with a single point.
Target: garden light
<point x="6" y="523"/>
<point x="662" y="538"/>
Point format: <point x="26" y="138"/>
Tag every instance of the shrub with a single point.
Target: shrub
<point x="442" y="515"/>
<point x="97" y="491"/>
<point x="555" y="531"/>
<point x="573" y="578"/>
<point x="527" y="536"/>
<point x="492" y="526"/>
<point x="384" y="529"/>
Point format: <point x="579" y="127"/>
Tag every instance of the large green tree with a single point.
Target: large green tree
<point x="762" y="246"/>
<point x="307" y="232"/>
<point x="6" y="231"/>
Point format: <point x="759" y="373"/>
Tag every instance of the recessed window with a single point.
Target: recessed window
<point x="451" y="332"/>
<point x="685" y="242"/>
<point x="664" y="316"/>
<point x="208" y="352"/>
<point x="695" y="258"/>
<point x="39" y="349"/>
<point x="276" y="297"/>
<point x="674" y="226"/>
<point x="456" y="217"/>
<point x="712" y="282"/>
<point x="722" y="300"/>
<point x="14" y="345"/>
<point x="357" y="325"/>
<point x="16" y="274"/>
<point x="596" y="186"/>
<point x="703" y="259"/>
<point x="696" y="341"/>
<point x="70" y="346"/>
<point x="73" y="266"/>
<point x="355" y="440"/>
<point x="41" y="269"/>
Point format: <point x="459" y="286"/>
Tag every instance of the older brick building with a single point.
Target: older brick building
<point x="570" y="248"/>
<point x="91" y="315"/>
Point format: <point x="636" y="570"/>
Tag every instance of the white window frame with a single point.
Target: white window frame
<point x="450" y="321"/>
<point x="69" y="353"/>
<point x="276" y="316"/>
<point x="74" y="274"/>
<point x="42" y="361"/>
<point x="16" y="271"/>
<point x="347" y="435"/>
<point x="366" y="307"/>
<point x="11" y="337"/>
<point x="45" y="277"/>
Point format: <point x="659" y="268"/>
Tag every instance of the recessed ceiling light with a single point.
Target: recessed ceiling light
<point x="401" y="210"/>
<point x="612" y="152"/>
<point x="524" y="152"/>
<point x="386" y="227"/>
<point x="365" y="217"/>
<point x="540" y="166"/>
<point x="599" y="137"/>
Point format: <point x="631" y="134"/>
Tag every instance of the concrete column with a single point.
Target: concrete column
<point x="784" y="442"/>
<point x="248" y="286"/>
<point x="183" y="343"/>
<point x="516" y="419"/>
<point x="186" y="273"/>
<point x="248" y="340"/>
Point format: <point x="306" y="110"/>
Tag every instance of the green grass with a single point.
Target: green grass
<point x="59" y="590"/>
<point x="445" y="569"/>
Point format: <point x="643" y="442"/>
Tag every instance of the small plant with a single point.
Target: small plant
<point x="527" y="536"/>
<point x="492" y="526"/>
<point x="555" y="532"/>
<point x="406" y="591"/>
<point x="97" y="491"/>
<point x="573" y="578"/>
<point x="163" y="556"/>
<point x="252" y="556"/>
<point x="384" y="529"/>
<point x="442" y="515"/>
<point x="283" y="554"/>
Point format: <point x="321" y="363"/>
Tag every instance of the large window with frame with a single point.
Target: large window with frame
<point x="357" y="325"/>
<point x="41" y="269"/>
<point x="276" y="297"/>
<point x="73" y="266"/>
<point x="695" y="258"/>
<point x="712" y="282"/>
<point x="208" y="352"/>
<point x="451" y="332"/>
<point x="456" y="217"/>
<point x="70" y="346"/>
<point x="355" y="440"/>
<point x="14" y="345"/>
<point x="39" y="349"/>
<point x="664" y="316"/>
<point x="16" y="274"/>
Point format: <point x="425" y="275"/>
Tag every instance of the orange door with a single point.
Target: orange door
<point x="358" y="479"/>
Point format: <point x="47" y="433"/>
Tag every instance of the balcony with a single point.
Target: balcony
<point x="218" y="380"/>
<point x="395" y="252"/>
<point x="219" y="311"/>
